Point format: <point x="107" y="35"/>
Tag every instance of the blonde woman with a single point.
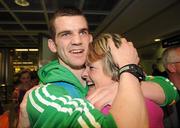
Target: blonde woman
<point x="103" y="70"/>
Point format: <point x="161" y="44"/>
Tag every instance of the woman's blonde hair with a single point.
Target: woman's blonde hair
<point x="99" y="50"/>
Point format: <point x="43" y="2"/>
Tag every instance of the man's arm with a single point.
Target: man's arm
<point x="153" y="91"/>
<point x="129" y="101"/>
<point x="150" y="90"/>
<point x="23" y="115"/>
<point x="160" y="90"/>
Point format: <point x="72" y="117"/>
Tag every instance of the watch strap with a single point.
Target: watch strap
<point x="134" y="70"/>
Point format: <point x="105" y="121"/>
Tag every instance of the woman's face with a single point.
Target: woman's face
<point x="97" y="75"/>
<point x="25" y="78"/>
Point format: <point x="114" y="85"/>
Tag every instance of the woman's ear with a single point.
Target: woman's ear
<point x="52" y="46"/>
<point x="171" y="68"/>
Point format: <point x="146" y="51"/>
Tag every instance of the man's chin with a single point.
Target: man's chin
<point x="77" y="66"/>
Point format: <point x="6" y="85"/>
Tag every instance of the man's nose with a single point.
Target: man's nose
<point x="76" y="40"/>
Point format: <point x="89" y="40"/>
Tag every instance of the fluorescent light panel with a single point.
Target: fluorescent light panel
<point x="30" y="62"/>
<point x="21" y="50"/>
<point x="33" y="50"/>
<point x="25" y="50"/>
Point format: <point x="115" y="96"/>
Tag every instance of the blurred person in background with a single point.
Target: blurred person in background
<point x="22" y="84"/>
<point x="34" y="78"/>
<point x="155" y="70"/>
<point x="171" y="62"/>
<point x="4" y="117"/>
<point x="1" y="108"/>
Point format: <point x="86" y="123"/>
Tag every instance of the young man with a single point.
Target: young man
<point x="59" y="101"/>
<point x="52" y="104"/>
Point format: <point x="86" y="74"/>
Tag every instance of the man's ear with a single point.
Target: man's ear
<point x="91" y="38"/>
<point x="171" y="68"/>
<point x="52" y="45"/>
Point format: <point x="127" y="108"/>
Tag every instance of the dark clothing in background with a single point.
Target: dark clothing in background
<point x="172" y="115"/>
<point x="156" y="72"/>
<point x="178" y="108"/>
<point x="1" y="109"/>
<point x="21" y="95"/>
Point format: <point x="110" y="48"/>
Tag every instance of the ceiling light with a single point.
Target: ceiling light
<point x="24" y="62"/>
<point x="23" y="3"/>
<point x="33" y="50"/>
<point x="25" y="50"/>
<point x="27" y="62"/>
<point x="2" y="85"/>
<point x="157" y="40"/>
<point x="21" y="50"/>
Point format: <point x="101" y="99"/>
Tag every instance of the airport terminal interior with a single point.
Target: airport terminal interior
<point x="152" y="26"/>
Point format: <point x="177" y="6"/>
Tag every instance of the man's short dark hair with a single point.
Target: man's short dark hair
<point x="66" y="11"/>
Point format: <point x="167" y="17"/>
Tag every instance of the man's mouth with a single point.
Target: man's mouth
<point x="76" y="51"/>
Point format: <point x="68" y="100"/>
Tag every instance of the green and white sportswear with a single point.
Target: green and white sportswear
<point x="48" y="108"/>
<point x="52" y="106"/>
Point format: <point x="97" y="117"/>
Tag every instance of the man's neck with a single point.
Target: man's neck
<point x="77" y="72"/>
<point x="175" y="79"/>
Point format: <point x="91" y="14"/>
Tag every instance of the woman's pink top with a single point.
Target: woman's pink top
<point x="155" y="114"/>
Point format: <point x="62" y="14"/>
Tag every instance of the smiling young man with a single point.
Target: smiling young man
<point x="59" y="101"/>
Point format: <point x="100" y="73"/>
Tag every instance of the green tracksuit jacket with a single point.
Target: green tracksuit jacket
<point x="50" y="106"/>
<point x="60" y="101"/>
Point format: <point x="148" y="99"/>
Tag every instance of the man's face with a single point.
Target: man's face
<point x="71" y="40"/>
<point x="178" y="61"/>
<point x="174" y="65"/>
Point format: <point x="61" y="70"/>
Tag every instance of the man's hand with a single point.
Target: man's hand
<point x="125" y="54"/>
<point x="103" y="95"/>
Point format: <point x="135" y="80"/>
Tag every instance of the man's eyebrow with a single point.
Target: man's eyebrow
<point x="63" y="32"/>
<point x="68" y="31"/>
<point x="84" y="29"/>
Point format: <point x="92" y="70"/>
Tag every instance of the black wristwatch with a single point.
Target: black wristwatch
<point x="133" y="69"/>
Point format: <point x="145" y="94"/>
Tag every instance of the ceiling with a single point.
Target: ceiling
<point x="21" y="26"/>
<point x="140" y="20"/>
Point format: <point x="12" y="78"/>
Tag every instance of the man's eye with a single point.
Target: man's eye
<point x="65" y="34"/>
<point x="84" y="33"/>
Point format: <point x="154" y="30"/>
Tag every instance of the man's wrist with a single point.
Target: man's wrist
<point x="134" y="70"/>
